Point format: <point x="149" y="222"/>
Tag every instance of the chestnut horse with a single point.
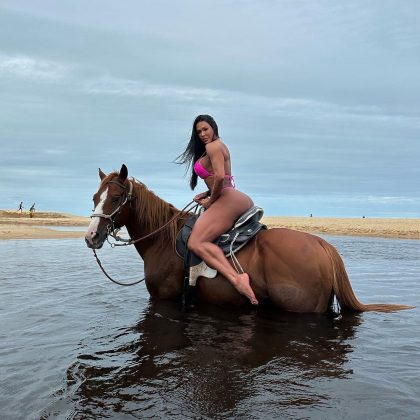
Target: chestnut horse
<point x="295" y="271"/>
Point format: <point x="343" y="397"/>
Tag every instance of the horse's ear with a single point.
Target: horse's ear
<point x="123" y="173"/>
<point x="101" y="174"/>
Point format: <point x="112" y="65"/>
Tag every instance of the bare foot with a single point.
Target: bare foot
<point x="243" y="287"/>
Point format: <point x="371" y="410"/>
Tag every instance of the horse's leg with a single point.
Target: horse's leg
<point x="216" y="220"/>
<point x="293" y="269"/>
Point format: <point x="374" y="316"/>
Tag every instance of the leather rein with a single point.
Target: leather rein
<point x="113" y="231"/>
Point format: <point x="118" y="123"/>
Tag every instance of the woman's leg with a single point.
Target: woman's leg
<point x="216" y="220"/>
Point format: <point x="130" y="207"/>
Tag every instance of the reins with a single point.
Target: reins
<point x="185" y="210"/>
<point x="113" y="280"/>
<point x="112" y="231"/>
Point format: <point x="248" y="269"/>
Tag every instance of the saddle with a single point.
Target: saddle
<point x="244" y="229"/>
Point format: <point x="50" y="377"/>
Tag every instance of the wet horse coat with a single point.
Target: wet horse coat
<point x="295" y="271"/>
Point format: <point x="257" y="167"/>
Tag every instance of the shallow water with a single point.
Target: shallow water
<point x="65" y="228"/>
<point x="72" y="344"/>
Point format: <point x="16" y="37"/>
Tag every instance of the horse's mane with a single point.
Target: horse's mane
<point x="152" y="211"/>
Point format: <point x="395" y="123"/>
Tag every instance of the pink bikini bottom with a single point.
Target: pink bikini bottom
<point x="228" y="182"/>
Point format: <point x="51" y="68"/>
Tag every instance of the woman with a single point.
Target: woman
<point x="209" y="159"/>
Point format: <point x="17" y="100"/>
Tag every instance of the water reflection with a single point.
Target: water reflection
<point x="210" y="362"/>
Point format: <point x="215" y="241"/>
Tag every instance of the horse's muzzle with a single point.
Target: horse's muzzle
<point x="94" y="240"/>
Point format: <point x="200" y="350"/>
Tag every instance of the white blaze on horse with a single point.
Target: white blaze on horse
<point x="295" y="271"/>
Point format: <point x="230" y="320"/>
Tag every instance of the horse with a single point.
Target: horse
<point x="291" y="270"/>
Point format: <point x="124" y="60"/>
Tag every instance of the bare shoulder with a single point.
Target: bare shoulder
<point x="215" y="147"/>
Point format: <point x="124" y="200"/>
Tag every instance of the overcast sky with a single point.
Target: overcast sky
<point x="318" y="101"/>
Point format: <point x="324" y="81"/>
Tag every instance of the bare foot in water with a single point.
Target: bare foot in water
<point x="243" y="287"/>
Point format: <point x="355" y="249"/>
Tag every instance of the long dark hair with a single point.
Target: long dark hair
<point x="195" y="147"/>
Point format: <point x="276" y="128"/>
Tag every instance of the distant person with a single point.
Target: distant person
<point x="310" y="215"/>
<point x="32" y="210"/>
<point x="20" y="208"/>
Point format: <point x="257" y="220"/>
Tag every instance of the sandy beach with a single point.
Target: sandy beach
<point x="387" y="228"/>
<point x="14" y="225"/>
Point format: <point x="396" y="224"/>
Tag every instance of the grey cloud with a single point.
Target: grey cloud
<point x="314" y="99"/>
<point x="31" y="68"/>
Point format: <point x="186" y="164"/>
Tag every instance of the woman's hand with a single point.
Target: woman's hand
<point x="205" y="202"/>
<point x="200" y="197"/>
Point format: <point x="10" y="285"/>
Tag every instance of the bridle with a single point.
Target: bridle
<point x="113" y="231"/>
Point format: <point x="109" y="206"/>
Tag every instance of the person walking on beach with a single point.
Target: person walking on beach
<point x="209" y="159"/>
<point x="20" y="208"/>
<point x="32" y="210"/>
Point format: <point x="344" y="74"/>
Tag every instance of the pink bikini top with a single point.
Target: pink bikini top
<point x="203" y="173"/>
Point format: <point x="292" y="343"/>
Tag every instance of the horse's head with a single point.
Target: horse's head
<point x="111" y="203"/>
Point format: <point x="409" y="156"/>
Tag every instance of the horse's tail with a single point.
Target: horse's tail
<point x="344" y="292"/>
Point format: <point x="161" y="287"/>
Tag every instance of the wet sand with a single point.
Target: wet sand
<point x="14" y="225"/>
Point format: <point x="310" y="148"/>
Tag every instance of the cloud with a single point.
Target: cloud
<point x="393" y="200"/>
<point x="267" y="105"/>
<point x="141" y="88"/>
<point x="32" y="68"/>
<point x="313" y="99"/>
<point x="55" y="152"/>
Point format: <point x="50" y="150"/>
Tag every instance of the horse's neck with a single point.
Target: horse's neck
<point x="141" y="225"/>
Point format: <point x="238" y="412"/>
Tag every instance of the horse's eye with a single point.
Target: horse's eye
<point x="115" y="199"/>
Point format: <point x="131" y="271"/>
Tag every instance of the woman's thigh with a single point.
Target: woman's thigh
<point x="220" y="217"/>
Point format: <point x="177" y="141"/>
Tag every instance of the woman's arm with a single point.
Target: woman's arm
<point x="217" y="159"/>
